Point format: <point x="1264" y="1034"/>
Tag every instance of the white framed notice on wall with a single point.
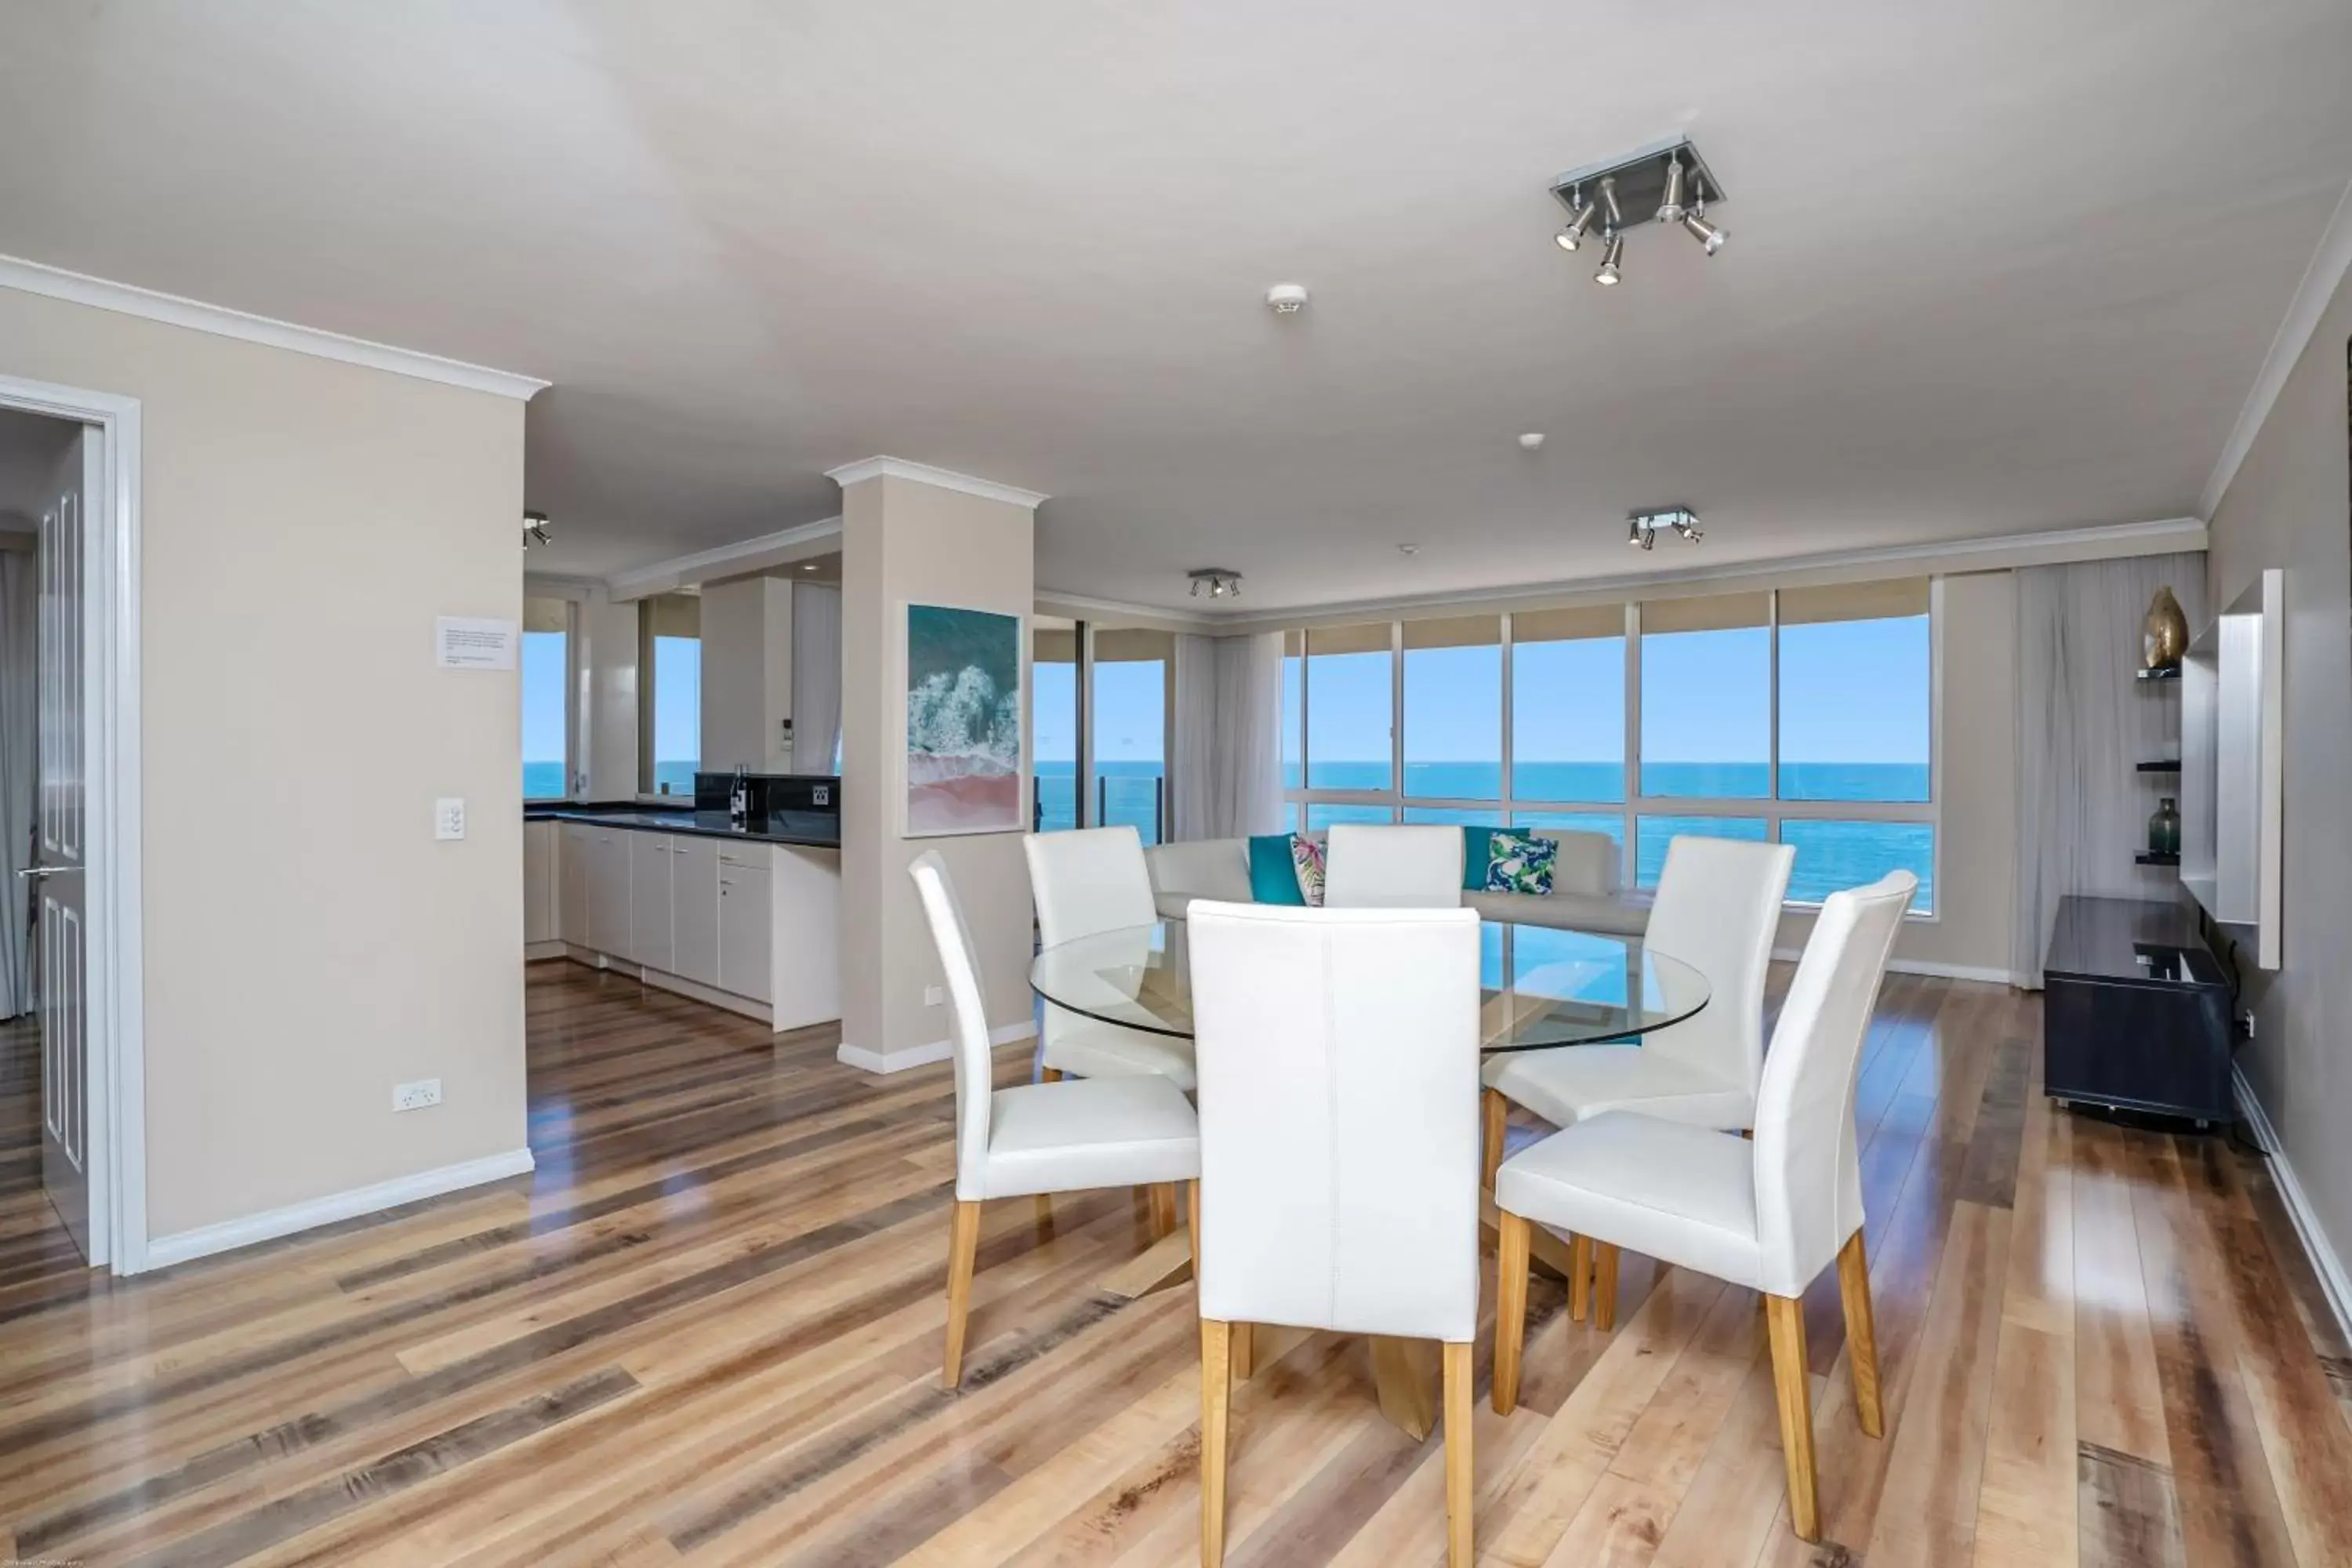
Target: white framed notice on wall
<point x="474" y="642"/>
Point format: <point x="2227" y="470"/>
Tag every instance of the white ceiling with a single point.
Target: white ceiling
<point x="1995" y="267"/>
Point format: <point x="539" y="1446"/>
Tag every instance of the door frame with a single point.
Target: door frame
<point x="114" y="982"/>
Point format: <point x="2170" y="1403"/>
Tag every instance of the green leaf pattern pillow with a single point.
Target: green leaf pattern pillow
<point x="1520" y="863"/>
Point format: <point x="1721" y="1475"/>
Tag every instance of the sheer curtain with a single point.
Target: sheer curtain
<point x="2082" y="723"/>
<point x="1226" y="779"/>
<point x="816" y="676"/>
<point x="19" y="749"/>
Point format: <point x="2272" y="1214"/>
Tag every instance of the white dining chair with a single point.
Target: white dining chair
<point x="1379" y="866"/>
<point x="1717" y="909"/>
<point x="1036" y="1138"/>
<point x="1338" y="1186"/>
<point x="1769" y="1215"/>
<point x="1086" y="882"/>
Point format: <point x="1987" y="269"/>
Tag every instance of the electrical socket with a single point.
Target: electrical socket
<point x="2246" y="1023"/>
<point x="449" y="818"/>
<point x="416" y="1096"/>
<point x="933" y="997"/>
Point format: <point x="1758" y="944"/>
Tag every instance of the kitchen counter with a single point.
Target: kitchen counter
<point x="810" y="830"/>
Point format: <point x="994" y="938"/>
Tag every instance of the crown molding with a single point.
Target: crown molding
<point x="1086" y="607"/>
<point x="723" y="561"/>
<point x="124" y="298"/>
<point x="1992" y="554"/>
<point x="2328" y="264"/>
<point x="864" y="468"/>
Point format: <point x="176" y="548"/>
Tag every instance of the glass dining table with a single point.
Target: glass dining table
<point x="1541" y="988"/>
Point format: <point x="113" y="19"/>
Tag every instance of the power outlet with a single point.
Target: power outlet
<point x="416" y="1096"/>
<point x="933" y="997"/>
<point x="449" y="818"/>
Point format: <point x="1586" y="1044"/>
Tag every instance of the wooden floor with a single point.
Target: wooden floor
<point x="707" y="1329"/>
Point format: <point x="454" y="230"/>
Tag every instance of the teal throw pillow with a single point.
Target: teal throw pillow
<point x="1274" y="876"/>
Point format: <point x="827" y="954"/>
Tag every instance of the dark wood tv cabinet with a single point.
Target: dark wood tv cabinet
<point x="2136" y="1011"/>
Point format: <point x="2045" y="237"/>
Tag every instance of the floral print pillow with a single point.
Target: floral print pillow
<point x="1306" y="859"/>
<point x="1520" y="863"/>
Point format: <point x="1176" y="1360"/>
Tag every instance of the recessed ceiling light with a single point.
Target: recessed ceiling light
<point x="810" y="567"/>
<point x="1408" y="550"/>
<point x="1532" y="439"/>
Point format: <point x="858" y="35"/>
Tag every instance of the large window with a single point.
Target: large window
<point x="546" y="690"/>
<point x="1804" y="716"/>
<point x="669" y="627"/>
<point x="1128" y="711"/>
<point x="1053" y="723"/>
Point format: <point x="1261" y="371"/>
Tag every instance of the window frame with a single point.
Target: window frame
<point x="648" y="633"/>
<point x="1772" y="807"/>
<point x="574" y="782"/>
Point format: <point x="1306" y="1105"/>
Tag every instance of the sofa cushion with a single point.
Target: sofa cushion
<point x="1615" y="914"/>
<point x="1274" y="875"/>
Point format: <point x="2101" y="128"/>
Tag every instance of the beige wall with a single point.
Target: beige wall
<point x="903" y="541"/>
<point x="1977" y="741"/>
<point x="2286" y="508"/>
<point x="308" y="943"/>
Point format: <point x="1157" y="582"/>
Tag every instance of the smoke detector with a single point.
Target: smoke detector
<point x="1287" y="299"/>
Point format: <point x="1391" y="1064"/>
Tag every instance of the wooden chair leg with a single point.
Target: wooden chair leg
<point x="1786" y="1316"/>
<point x="1460" y="1477"/>
<point x="1163" y="1208"/>
<point x="1604" y="1286"/>
<point x="1216" y="1387"/>
<point x="1861" y="1334"/>
<point x="1510" y="1308"/>
<point x="1497" y="1111"/>
<point x="1192" y="1225"/>
<point x="963" y="1246"/>
<point x="1049" y="1075"/>
<point x="1579" y="1277"/>
<point x="1244" y="1356"/>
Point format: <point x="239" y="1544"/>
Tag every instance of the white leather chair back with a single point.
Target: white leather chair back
<point x="1092" y="880"/>
<point x="1808" y="1174"/>
<point x="1200" y="869"/>
<point x="1718" y="908"/>
<point x="1371" y="865"/>
<point x="975" y="1068"/>
<point x="1337" y="1052"/>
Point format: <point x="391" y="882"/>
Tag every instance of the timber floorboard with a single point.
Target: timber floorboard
<point x="707" y="1329"/>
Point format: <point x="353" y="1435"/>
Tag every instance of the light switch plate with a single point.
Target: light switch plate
<point x="933" y="997"/>
<point x="449" y="818"/>
<point x="416" y="1096"/>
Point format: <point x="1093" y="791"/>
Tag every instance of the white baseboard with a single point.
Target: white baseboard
<point x="923" y="1056"/>
<point x="228" y="1235"/>
<point x="1920" y="966"/>
<point x="2323" y="1262"/>
<point x="555" y="947"/>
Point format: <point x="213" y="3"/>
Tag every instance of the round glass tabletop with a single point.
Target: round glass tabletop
<point x="1542" y="986"/>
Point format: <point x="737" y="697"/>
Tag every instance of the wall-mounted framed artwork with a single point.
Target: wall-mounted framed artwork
<point x="964" y="711"/>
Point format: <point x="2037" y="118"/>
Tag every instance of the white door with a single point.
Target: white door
<point x="649" y="920"/>
<point x="694" y="900"/>
<point x="745" y="965"/>
<point x="56" y="868"/>
<point x="572" y="861"/>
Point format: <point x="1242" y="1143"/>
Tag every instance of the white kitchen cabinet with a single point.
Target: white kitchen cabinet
<point x="608" y="891"/>
<point x="541" y="897"/>
<point x="572" y="915"/>
<point x="650" y="854"/>
<point x="745" y="922"/>
<point x="694" y="910"/>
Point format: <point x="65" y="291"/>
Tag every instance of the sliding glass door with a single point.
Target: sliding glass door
<point x="1128" y="725"/>
<point x="1057" y="719"/>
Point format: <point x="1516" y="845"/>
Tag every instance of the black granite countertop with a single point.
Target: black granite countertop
<point x="815" y="829"/>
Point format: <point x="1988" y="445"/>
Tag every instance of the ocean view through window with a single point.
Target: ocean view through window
<point x="1802" y="715"/>
<point x="545" y="676"/>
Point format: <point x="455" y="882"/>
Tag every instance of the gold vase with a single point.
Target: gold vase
<point x="2164" y="635"/>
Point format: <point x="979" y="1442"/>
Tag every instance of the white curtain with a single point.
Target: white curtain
<point x="1226" y="779"/>
<point x="2084" y="721"/>
<point x="19" y="760"/>
<point x="816" y="676"/>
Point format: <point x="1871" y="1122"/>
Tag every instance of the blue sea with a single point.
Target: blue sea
<point x="1830" y="855"/>
<point x="544" y="780"/>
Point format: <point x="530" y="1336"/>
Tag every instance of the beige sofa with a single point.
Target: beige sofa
<point x="1584" y="896"/>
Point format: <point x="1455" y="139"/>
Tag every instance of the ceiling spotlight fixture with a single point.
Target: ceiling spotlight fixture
<point x="1579" y="222"/>
<point x="1287" y="299"/>
<point x="1644" y="525"/>
<point x="808" y="567"/>
<point x="1666" y="181"/>
<point x="1408" y="550"/>
<point x="535" y="529"/>
<point x="1670" y="205"/>
<point x="1531" y="440"/>
<point x="1610" y="255"/>
<point x="1695" y="224"/>
<point x="1221" y="582"/>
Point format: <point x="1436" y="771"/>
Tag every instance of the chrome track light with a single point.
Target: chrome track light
<point x="1643" y="526"/>
<point x="1670" y="205"/>
<point x="1221" y="582"/>
<point x="1695" y="224"/>
<point x="1640" y="534"/>
<point x="1614" y="214"/>
<point x="1610" y="273"/>
<point x="1580" y="225"/>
